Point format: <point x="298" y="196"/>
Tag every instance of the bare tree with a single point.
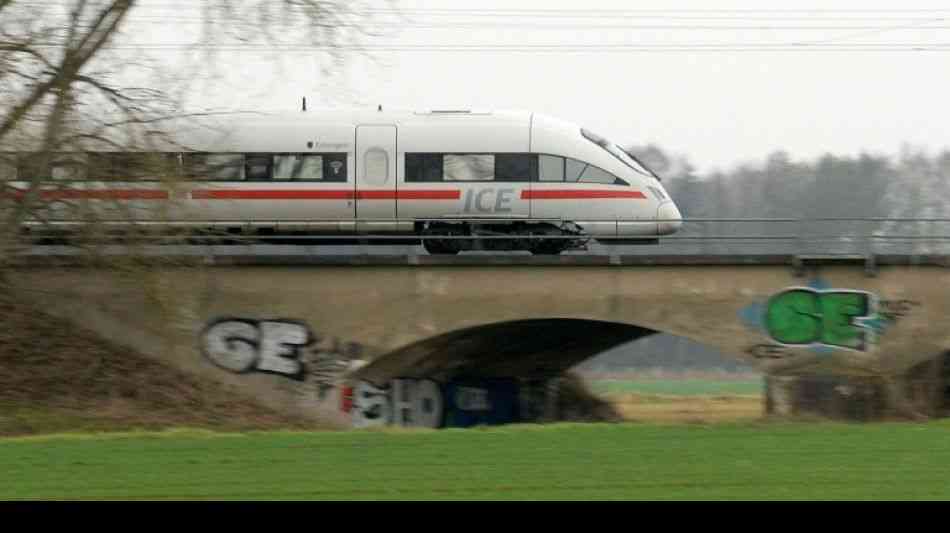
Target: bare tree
<point x="64" y="93"/>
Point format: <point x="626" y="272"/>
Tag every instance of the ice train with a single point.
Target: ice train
<point x="527" y="180"/>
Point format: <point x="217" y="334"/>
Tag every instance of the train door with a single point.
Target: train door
<point x="375" y="177"/>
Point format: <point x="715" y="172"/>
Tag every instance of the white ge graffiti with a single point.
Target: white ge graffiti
<point x="242" y="345"/>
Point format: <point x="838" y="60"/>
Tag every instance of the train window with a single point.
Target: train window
<point x="297" y="167"/>
<point x="468" y="167"/>
<point x="593" y="174"/>
<point x="551" y="168"/>
<point x="516" y="167"/>
<point x="334" y="167"/>
<point x="70" y="167"/>
<point x="100" y="166"/>
<point x="580" y="172"/>
<point x="128" y="166"/>
<point x="193" y="165"/>
<point x="224" y="167"/>
<point x="162" y="165"/>
<point x="29" y="168"/>
<point x="257" y="167"/>
<point x="573" y="170"/>
<point x="615" y="150"/>
<point x="309" y="167"/>
<point x="423" y="167"/>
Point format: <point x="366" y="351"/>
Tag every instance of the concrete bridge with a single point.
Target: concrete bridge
<point x="455" y="341"/>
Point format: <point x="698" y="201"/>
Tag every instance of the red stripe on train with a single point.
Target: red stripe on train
<point x="104" y="194"/>
<point x="420" y="194"/>
<point x="324" y="195"/>
<point x="568" y="194"/>
<point x="274" y="194"/>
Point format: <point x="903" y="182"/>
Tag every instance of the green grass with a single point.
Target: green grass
<point x="677" y="387"/>
<point x="758" y="461"/>
<point x="15" y="419"/>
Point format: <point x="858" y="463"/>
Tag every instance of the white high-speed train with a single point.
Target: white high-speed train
<point x="422" y="174"/>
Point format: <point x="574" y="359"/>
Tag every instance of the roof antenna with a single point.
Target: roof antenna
<point x="304" y="103"/>
<point x="380" y="107"/>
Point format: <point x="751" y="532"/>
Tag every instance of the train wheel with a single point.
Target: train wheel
<point x="439" y="247"/>
<point x="547" y="247"/>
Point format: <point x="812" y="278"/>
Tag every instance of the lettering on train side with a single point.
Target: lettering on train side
<point x="488" y="200"/>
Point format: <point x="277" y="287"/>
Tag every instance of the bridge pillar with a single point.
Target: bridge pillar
<point x="921" y="393"/>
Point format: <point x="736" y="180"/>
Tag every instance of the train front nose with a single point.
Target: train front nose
<point x="668" y="219"/>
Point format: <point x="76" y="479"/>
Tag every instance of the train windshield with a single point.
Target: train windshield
<point x="613" y="149"/>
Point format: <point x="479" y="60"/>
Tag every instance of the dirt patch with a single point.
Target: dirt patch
<point x="57" y="377"/>
<point x="577" y="403"/>
<point x="699" y="409"/>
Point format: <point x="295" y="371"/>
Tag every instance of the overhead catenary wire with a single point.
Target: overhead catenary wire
<point x="546" y="48"/>
<point x="926" y="20"/>
<point x="587" y="13"/>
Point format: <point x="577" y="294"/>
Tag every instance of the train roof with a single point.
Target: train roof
<point x="371" y="116"/>
<point x="265" y="127"/>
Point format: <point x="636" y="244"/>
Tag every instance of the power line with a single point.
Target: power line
<point x="917" y="26"/>
<point x="542" y="48"/>
<point x="576" y="13"/>
<point x="571" y="12"/>
<point x="477" y="25"/>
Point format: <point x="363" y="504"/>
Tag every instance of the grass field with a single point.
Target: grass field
<point x="755" y="461"/>
<point x="678" y="387"/>
<point x="670" y="398"/>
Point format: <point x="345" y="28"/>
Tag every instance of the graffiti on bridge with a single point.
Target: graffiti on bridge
<point x="278" y="346"/>
<point x="427" y="403"/>
<point x="822" y="319"/>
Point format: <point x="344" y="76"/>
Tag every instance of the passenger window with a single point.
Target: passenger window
<point x="100" y="166"/>
<point x="122" y="166"/>
<point x="194" y="165"/>
<point x="128" y="166"/>
<point x="257" y="167"/>
<point x="593" y="174"/>
<point x="29" y="168"/>
<point x="516" y="167"/>
<point x="468" y="167"/>
<point x="573" y="170"/>
<point x="69" y="168"/>
<point x="162" y="165"/>
<point x="225" y="167"/>
<point x="423" y="167"/>
<point x="552" y="168"/>
<point x="297" y="167"/>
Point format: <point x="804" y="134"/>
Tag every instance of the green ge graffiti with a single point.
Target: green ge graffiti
<point x="834" y="318"/>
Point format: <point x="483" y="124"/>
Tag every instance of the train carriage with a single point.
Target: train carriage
<point x="528" y="180"/>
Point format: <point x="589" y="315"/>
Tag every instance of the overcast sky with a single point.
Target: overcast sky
<point x="718" y="108"/>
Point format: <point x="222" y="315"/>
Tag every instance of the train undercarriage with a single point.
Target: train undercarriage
<point x="437" y="238"/>
<point x="539" y="239"/>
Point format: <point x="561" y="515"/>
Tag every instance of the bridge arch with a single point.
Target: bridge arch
<point x="526" y="348"/>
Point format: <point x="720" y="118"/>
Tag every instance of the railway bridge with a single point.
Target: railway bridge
<point x="434" y="341"/>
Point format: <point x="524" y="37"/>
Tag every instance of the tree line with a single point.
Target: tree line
<point x="914" y="184"/>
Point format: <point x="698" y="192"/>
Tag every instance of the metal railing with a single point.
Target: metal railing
<point x="710" y="236"/>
